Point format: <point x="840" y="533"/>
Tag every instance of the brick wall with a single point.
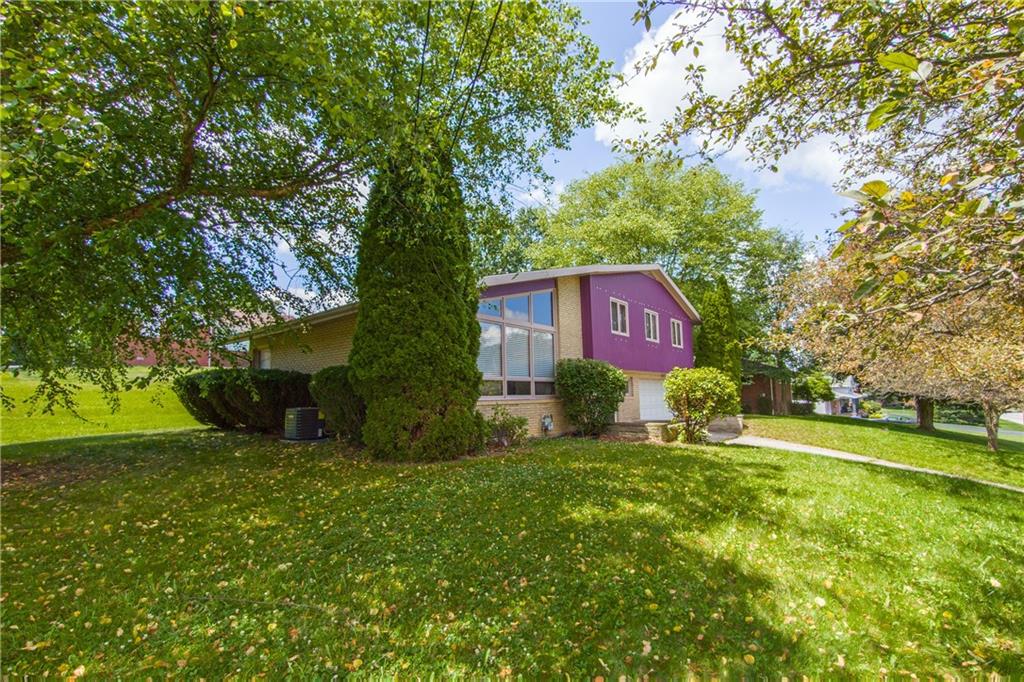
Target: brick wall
<point x="533" y="409"/>
<point x="570" y="321"/>
<point x="322" y="345"/>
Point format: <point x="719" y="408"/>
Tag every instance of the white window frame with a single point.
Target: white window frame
<point x="530" y="326"/>
<point x="655" y="326"/>
<point x="263" y="356"/>
<point x="674" y="327"/>
<point x="612" y="303"/>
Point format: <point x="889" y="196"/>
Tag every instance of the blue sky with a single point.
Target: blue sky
<point x="800" y="200"/>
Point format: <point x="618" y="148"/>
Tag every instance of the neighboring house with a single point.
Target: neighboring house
<point x="137" y="356"/>
<point x="847" y="398"/>
<point x="633" y="316"/>
<point x="766" y="389"/>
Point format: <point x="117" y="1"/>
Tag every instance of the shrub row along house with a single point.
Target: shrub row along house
<point x="632" y="316"/>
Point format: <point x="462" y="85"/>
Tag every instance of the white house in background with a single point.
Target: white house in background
<point x="847" y="398"/>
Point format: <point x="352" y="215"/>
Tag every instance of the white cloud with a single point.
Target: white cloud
<point x="658" y="93"/>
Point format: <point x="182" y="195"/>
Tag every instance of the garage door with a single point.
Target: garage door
<point x="652" y="401"/>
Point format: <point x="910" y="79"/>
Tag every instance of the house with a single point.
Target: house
<point x="633" y="316"/>
<point x="847" y="398"/>
<point x="766" y="389"/>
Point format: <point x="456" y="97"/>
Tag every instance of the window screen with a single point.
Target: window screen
<point x="517" y="352"/>
<point x="543" y="354"/>
<point x="489" y="359"/>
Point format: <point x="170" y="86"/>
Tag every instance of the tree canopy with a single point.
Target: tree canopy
<point x="927" y="95"/>
<point x="716" y="342"/>
<point x="156" y="157"/>
<point x="695" y="222"/>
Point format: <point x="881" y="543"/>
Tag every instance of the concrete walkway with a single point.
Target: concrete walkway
<point x="758" y="442"/>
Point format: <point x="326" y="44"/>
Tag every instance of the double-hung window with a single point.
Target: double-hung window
<point x="620" y="317"/>
<point x="677" y="333"/>
<point x="517" y="344"/>
<point x="651" y="332"/>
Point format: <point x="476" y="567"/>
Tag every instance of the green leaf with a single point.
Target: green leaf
<point x="882" y="113"/>
<point x="875" y="188"/>
<point x="901" y="277"/>
<point x="865" y="288"/>
<point x="898" y="61"/>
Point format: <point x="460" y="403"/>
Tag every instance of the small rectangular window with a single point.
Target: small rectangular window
<point x="491" y="307"/>
<point x="542" y="309"/>
<point x="518" y="388"/>
<point x="517" y="308"/>
<point x="629" y="387"/>
<point x="651" y="332"/>
<point x="677" y="333"/>
<point x="543" y="388"/>
<point x="490" y="387"/>
<point x="620" y="317"/>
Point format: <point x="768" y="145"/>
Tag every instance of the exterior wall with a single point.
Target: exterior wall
<point x="629" y="408"/>
<point x="322" y="345"/>
<point x="778" y="390"/>
<point x="533" y="409"/>
<point x="570" y="320"/>
<point x="633" y="352"/>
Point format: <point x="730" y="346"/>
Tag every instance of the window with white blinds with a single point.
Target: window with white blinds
<point x="677" y="333"/>
<point x="517" y="345"/>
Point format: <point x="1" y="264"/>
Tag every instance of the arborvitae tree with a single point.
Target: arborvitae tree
<point x="717" y="343"/>
<point x="414" y="353"/>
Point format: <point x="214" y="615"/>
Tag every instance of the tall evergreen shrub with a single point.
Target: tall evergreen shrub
<point x="414" y="353"/>
<point x="717" y="341"/>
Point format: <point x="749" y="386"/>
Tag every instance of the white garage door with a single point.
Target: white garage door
<point x="652" y="401"/>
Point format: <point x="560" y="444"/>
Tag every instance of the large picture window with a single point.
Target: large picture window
<point x="517" y="345"/>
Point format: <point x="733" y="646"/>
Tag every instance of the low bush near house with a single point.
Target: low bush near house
<point x="258" y="398"/>
<point x="194" y="393"/>
<point x="953" y="413"/>
<point x="344" y="411"/>
<point x="591" y="391"/>
<point x="697" y="396"/>
<point x="798" y="408"/>
<point x="255" y="399"/>
<point x="871" y="409"/>
<point x="507" y="430"/>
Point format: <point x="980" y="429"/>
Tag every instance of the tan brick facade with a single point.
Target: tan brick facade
<point x="324" y="344"/>
<point x="534" y="409"/>
<point x="570" y="318"/>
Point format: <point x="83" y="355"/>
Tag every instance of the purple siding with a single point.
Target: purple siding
<point x="633" y="352"/>
<point x="518" y="288"/>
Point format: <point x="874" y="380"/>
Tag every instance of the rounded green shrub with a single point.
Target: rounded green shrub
<point x="414" y="352"/>
<point x="505" y="429"/>
<point x="232" y="398"/>
<point x="591" y="392"/>
<point x="344" y="411"/>
<point x="698" y="396"/>
<point x="258" y="398"/>
<point x="192" y="393"/>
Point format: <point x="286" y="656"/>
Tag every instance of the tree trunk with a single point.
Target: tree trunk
<point x="992" y="425"/>
<point x="925" y="413"/>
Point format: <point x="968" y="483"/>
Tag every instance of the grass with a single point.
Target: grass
<point x="212" y="554"/>
<point x="910" y="415"/>
<point x="958" y="453"/>
<point x="152" y="409"/>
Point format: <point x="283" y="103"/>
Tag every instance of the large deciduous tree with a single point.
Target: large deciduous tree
<point x="158" y="157"/>
<point x="695" y="222"/>
<point x="928" y="95"/>
<point x="968" y="350"/>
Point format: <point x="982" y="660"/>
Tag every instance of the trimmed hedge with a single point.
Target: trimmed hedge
<point x="591" y="391"/>
<point x="344" y="411"/>
<point x="190" y="389"/>
<point x="254" y="399"/>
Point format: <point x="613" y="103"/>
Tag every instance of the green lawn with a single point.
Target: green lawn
<point x="154" y="408"/>
<point x="911" y="415"/>
<point x="959" y="453"/>
<point x="210" y="554"/>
